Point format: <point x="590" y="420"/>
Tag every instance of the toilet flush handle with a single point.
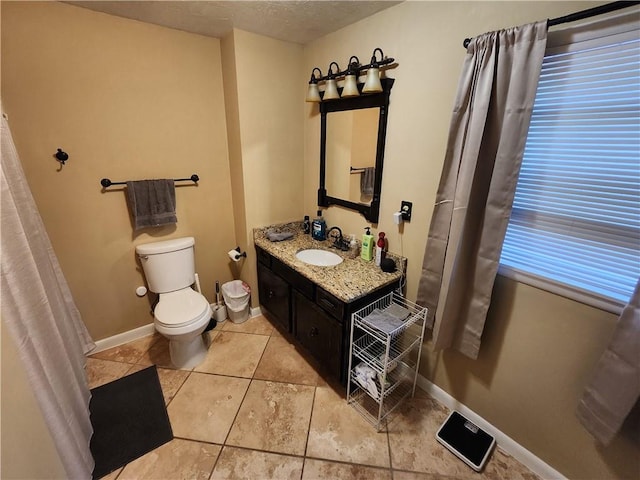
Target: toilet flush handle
<point x="144" y="257"/>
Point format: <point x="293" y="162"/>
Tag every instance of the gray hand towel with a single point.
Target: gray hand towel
<point x="367" y="180"/>
<point x="278" y="236"/>
<point x="383" y="321"/>
<point x="152" y="203"/>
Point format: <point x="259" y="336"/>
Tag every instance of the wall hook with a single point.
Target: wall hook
<point x="61" y="156"/>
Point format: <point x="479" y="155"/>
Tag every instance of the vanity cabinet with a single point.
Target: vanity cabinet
<point x="275" y="296"/>
<point x="318" y="333"/>
<point x="317" y="320"/>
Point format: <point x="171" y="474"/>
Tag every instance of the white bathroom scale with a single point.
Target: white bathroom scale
<point x="466" y="440"/>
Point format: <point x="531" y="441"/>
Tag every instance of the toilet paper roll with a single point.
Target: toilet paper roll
<point x="233" y="255"/>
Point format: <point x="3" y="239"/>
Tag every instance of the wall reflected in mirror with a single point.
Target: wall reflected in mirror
<point x="352" y="137"/>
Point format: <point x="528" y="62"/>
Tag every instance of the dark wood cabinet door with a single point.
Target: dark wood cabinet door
<point x="319" y="333"/>
<point x="275" y="298"/>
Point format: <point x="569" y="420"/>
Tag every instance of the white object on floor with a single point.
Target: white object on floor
<point x="236" y="296"/>
<point x="219" y="312"/>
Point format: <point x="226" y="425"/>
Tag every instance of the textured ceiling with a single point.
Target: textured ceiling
<point x="295" y="21"/>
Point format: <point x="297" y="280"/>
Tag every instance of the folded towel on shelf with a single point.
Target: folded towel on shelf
<point x="365" y="376"/>
<point x="278" y="236"/>
<point x="397" y="311"/>
<point x="388" y="319"/>
<point x="152" y="203"/>
<point x="367" y="181"/>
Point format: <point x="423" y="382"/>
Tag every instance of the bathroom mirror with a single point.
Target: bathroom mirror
<point x="351" y="150"/>
<point x="352" y="140"/>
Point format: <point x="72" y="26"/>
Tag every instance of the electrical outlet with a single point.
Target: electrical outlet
<point x="405" y="209"/>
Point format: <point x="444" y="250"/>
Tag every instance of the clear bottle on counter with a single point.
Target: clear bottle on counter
<point x="354" y="248"/>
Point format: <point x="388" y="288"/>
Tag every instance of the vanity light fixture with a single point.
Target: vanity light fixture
<point x="372" y="83"/>
<point x="313" y="93"/>
<point x="331" y="87"/>
<point x="350" y="88"/>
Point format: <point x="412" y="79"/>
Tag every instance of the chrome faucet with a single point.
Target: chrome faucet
<point x="338" y="241"/>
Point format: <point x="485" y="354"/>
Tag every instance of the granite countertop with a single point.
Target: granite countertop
<point x="348" y="281"/>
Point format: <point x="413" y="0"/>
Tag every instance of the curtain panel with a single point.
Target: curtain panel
<point x="42" y="319"/>
<point x="615" y="386"/>
<point x="486" y="142"/>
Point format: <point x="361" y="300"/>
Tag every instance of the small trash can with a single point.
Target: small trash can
<point x="236" y="296"/>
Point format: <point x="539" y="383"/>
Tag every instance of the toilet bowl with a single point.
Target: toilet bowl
<point x="181" y="317"/>
<point x="181" y="314"/>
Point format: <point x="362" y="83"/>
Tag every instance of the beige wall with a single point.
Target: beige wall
<point x="127" y="101"/>
<point x="264" y="85"/>
<point x="538" y="349"/>
<point x="27" y="450"/>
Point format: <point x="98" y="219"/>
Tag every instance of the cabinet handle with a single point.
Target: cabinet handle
<point x="271" y="294"/>
<point x="326" y="302"/>
<point x="313" y="332"/>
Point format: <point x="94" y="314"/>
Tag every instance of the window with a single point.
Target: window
<point x="575" y="225"/>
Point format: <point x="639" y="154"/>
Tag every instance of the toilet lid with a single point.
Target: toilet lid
<point x="180" y="308"/>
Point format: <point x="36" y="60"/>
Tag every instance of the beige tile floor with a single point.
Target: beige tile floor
<point x="259" y="408"/>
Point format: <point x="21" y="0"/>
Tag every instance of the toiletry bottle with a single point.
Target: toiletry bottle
<point x="367" y="245"/>
<point x="353" y="247"/>
<point x="306" y="225"/>
<point x="380" y="248"/>
<point x="319" y="227"/>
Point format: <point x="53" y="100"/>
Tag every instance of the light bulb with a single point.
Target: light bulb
<point x="350" y="88"/>
<point x="372" y="83"/>
<point x="331" y="90"/>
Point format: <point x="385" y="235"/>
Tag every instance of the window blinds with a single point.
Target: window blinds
<point x="575" y="224"/>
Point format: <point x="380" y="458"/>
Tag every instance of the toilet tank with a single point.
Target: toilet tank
<point x="168" y="265"/>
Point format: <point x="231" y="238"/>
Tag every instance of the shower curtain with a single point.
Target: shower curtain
<point x="486" y="143"/>
<point x="39" y="314"/>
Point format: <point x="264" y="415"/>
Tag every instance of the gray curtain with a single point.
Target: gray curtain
<point x="41" y="317"/>
<point x="486" y="142"/>
<point x="615" y="387"/>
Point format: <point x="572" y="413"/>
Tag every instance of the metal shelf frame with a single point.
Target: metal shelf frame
<point x="393" y="353"/>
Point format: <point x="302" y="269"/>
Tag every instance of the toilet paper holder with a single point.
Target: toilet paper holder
<point x="236" y="254"/>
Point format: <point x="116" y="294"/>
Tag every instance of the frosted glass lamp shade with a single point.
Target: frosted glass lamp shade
<point x="313" y="93"/>
<point x="350" y="88"/>
<point x="372" y="83"/>
<point x="331" y="90"/>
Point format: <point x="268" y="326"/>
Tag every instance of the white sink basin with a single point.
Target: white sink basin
<point x="319" y="258"/>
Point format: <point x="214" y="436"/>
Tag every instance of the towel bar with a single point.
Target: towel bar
<point x="106" y="183"/>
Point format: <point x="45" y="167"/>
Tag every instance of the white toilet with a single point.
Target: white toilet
<point x="181" y="314"/>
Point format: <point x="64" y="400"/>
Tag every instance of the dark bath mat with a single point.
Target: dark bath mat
<point x="129" y="419"/>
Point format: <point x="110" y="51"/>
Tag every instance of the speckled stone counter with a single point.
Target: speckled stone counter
<point x="348" y="281"/>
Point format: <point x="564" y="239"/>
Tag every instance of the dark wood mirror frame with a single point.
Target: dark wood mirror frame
<point x="372" y="211"/>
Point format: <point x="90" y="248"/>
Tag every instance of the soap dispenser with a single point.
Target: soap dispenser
<point x="367" y="245"/>
<point x="319" y="227"/>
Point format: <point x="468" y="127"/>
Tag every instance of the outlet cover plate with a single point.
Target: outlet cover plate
<point x="405" y="209"/>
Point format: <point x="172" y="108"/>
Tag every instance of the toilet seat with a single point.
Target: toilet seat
<point x="181" y="308"/>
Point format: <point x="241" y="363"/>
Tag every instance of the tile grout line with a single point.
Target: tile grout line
<point x="224" y="444"/>
<point x="386" y="427"/>
<point x="306" y="445"/>
<point x="251" y="379"/>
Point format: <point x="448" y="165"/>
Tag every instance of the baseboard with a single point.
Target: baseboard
<point x="121" y="338"/>
<point x="136" y="333"/>
<point x="506" y="443"/>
